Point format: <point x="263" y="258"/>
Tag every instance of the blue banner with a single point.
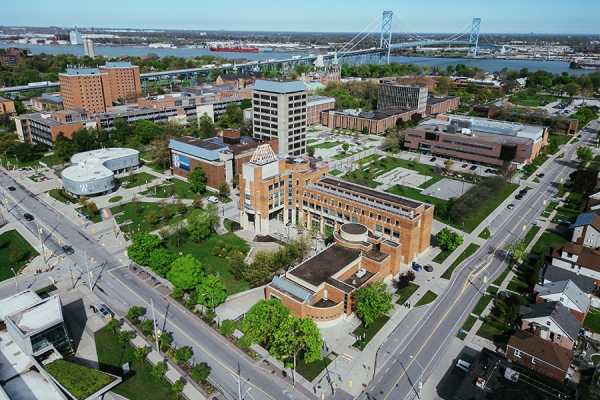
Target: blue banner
<point x="181" y="162"/>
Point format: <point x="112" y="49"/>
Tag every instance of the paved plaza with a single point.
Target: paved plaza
<point x="447" y="188"/>
<point x="402" y="176"/>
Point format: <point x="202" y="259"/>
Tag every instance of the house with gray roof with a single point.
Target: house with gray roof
<point x="567" y="293"/>
<point x="586" y="230"/>
<point x="551" y="321"/>
<point x="550" y="273"/>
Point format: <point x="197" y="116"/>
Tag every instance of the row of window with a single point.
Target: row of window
<point x="312" y="196"/>
<point x="355" y="210"/>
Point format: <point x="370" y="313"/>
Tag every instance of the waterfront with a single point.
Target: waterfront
<point x="487" y="64"/>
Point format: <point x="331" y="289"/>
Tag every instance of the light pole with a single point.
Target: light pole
<point x="213" y="299"/>
<point x="87" y="267"/>
<point x="39" y="234"/>
<point x="16" y="279"/>
<point x="420" y="377"/>
<point x="294" y="370"/>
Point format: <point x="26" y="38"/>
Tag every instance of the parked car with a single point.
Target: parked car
<point x="432" y="159"/>
<point x="428" y="268"/>
<point x="579" y="136"/>
<point x="212" y="199"/>
<point x="519" y="196"/>
<point x="541" y="175"/>
<point x="11" y="188"/>
<point x="473" y="167"/>
<point x="465" y="165"/>
<point x="417" y="267"/>
<point x="28" y="217"/>
<point x="510" y="206"/>
<point x="68" y="250"/>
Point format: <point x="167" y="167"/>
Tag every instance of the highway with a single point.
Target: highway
<point x="404" y="362"/>
<point x="119" y="289"/>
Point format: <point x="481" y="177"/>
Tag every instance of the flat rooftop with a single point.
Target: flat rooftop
<point x="89" y="165"/>
<point x="281" y="86"/>
<point x="37" y="316"/>
<point x="439" y="99"/>
<point x="17" y="302"/>
<point x="326" y="264"/>
<point x="375" y="115"/>
<point x="477" y="134"/>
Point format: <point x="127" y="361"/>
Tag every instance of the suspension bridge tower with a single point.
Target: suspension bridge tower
<point x="386" y="33"/>
<point x="474" y="38"/>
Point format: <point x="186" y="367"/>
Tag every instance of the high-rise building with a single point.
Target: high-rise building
<point x="88" y="48"/>
<point x="392" y="94"/>
<point x="94" y="89"/>
<point x="75" y="37"/>
<point x="279" y="108"/>
<point x="12" y="56"/>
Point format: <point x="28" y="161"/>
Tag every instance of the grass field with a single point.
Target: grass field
<point x="335" y="172"/>
<point x="530" y="235"/>
<point x="426" y="299"/>
<point x="177" y="187"/>
<point x="406" y="293"/>
<point x="501" y="277"/>
<point x="440" y="258"/>
<point x="369" y="332"/>
<point x="136" y="180"/>
<point x="7" y="240"/>
<point x="560" y="139"/>
<point x="469" y="323"/>
<point x="311" y="370"/>
<point x="139" y="383"/>
<point x="469" y="251"/>
<point x="326" y="145"/>
<point x="490" y="333"/>
<point x="515" y="285"/>
<point x="492" y="290"/>
<point x="49" y="160"/>
<point x="547" y="239"/>
<point x="482" y="304"/>
<point x="592" y="320"/>
<point x="139" y="222"/>
<point x="485" y="234"/>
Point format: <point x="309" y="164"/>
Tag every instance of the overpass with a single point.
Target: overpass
<point x="12" y="90"/>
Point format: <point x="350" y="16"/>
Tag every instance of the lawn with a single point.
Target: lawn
<point x="547" y="239"/>
<point x="80" y="381"/>
<point x="530" y="235"/>
<point x="7" y="240"/>
<point x="54" y="193"/>
<point x="537" y="162"/>
<point x="369" y="332"/>
<point x="49" y="160"/>
<point x="560" y="139"/>
<point x="368" y="159"/>
<point x="566" y="213"/>
<point x="406" y="293"/>
<point x="414" y="194"/>
<point x="311" y="141"/>
<point x="552" y="206"/>
<point x="592" y="320"/>
<point x="440" y="258"/>
<point x="141" y="178"/>
<point x="490" y="333"/>
<point x="335" y="172"/>
<point x="326" y="145"/>
<point x="426" y="299"/>
<point x="469" y="251"/>
<point x="515" y="285"/>
<point x="492" y="290"/>
<point x="138" y="222"/>
<point x="177" y="187"/>
<point x="95" y="217"/>
<point x="469" y="323"/>
<point x="482" y="304"/>
<point x="485" y="234"/>
<point x="311" y="370"/>
<point x="139" y="383"/>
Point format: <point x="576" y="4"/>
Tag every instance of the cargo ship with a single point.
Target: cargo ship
<point x="585" y="64"/>
<point x="235" y="49"/>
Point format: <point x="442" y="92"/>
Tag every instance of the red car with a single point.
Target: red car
<point x="465" y="165"/>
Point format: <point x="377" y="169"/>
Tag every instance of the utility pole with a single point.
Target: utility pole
<point x="16" y="279"/>
<point x="154" y="321"/>
<point x="71" y="273"/>
<point x="239" y="382"/>
<point x="39" y="234"/>
<point x="87" y="267"/>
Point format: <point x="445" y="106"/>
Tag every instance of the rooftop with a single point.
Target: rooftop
<point x="313" y="100"/>
<point x="438" y="99"/>
<point x="281" y="86"/>
<point x="553" y="273"/>
<point x="500" y="136"/>
<point x="89" y="165"/>
<point x="569" y="289"/>
<point x="557" y="313"/>
<point x="375" y="115"/>
<point x="17" y="302"/>
<point x="586" y="257"/>
<point x="82" y="71"/>
<point x="541" y="349"/>
<point x="590" y="218"/>
<point x="490" y="369"/>
<point x="329" y="262"/>
<point x="120" y="64"/>
<point x="38" y="316"/>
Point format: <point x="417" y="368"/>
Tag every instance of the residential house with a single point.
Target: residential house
<point x="586" y="230"/>
<point x="551" y="321"/>
<point x="578" y="259"/>
<point x="550" y="273"/>
<point x="536" y="353"/>
<point x="567" y="293"/>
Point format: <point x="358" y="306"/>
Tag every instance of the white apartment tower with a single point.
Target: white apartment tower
<point x="279" y="111"/>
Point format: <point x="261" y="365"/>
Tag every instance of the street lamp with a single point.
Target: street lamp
<point x="16" y="279"/>
<point x="87" y="267"/>
<point x="420" y="377"/>
<point x="294" y="370"/>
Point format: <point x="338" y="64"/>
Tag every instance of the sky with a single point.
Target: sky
<point x="507" y="16"/>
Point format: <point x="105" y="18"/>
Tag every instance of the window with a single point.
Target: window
<point x="378" y="228"/>
<point x="396" y="234"/>
<point x="370" y="215"/>
<point x="548" y="323"/>
<point x="517" y="353"/>
<point x="378" y="217"/>
<point x="387" y="220"/>
<point x="558" y="337"/>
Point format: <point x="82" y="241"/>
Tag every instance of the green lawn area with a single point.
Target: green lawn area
<point x="461" y="336"/>
<point x="414" y="194"/>
<point x="537" y="162"/>
<point x="326" y="145"/>
<point x="7" y="240"/>
<point x="406" y="293"/>
<point x="490" y="333"/>
<point x="485" y="234"/>
<point x="49" y="160"/>
<point x="482" y="304"/>
<point x="492" y="290"/>
<point x="440" y="258"/>
<point x="427" y="298"/>
<point x="552" y="206"/>
<point x="335" y="172"/>
<point x="469" y="251"/>
<point x="177" y="187"/>
<point x="548" y="239"/>
<point x="156" y="167"/>
<point x="515" y="285"/>
<point x="592" y="320"/>
<point x="530" y="235"/>
<point x="80" y="381"/>
<point x="213" y="264"/>
<point x="141" y="178"/>
<point x="566" y="213"/>
<point x="469" y="323"/>
<point x="369" y="332"/>
<point x="138" y="223"/>
<point x="95" y="217"/>
<point x="311" y="141"/>
<point x="367" y="159"/>
<point x="55" y="195"/>
<point x="560" y="139"/>
<point x="139" y="383"/>
<point x="311" y="370"/>
<point x="115" y="199"/>
<point x="501" y="277"/>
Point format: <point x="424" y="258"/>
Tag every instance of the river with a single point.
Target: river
<point x="487" y="64"/>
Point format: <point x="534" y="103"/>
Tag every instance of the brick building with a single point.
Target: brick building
<point x="478" y="140"/>
<point x="429" y="81"/>
<point x="44" y="128"/>
<point x="12" y="56"/>
<point x="123" y="78"/>
<point x="7" y="106"/>
<point x="552" y="322"/>
<point x="220" y="157"/>
<point x="315" y="105"/>
<point x="239" y="80"/>
<point x="441" y="104"/>
<point x="377" y="122"/>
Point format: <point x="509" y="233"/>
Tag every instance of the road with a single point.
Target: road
<point x="411" y="355"/>
<point x="119" y="288"/>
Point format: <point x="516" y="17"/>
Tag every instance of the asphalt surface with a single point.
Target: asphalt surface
<point x="120" y="288"/>
<point x="413" y="350"/>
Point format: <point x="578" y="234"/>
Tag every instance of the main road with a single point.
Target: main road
<point x="406" y="363"/>
<point x="119" y="288"/>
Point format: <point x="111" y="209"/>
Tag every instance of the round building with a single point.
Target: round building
<point x="93" y="172"/>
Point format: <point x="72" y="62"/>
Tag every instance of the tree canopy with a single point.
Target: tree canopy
<point x="449" y="240"/>
<point x="186" y="272"/>
<point x="209" y="289"/>
<point x="197" y="179"/>
<point x="371" y="302"/>
<point x="142" y="246"/>
<point x="262" y="318"/>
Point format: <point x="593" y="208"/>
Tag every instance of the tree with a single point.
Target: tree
<point x="235" y="181"/>
<point x="227" y="327"/>
<point x="177" y="388"/>
<point x="186" y="272"/>
<point x="206" y="126"/>
<point x="182" y="355"/>
<point x="572" y="89"/>
<point x="142" y="246"/>
<point x="296" y="335"/>
<point x="310" y="150"/>
<point x="180" y="208"/>
<point x="125" y="337"/>
<point x="113" y="326"/>
<point x="64" y="150"/>
<point x="197" y="179"/>
<point x="199" y="225"/>
<point x="262" y="318"/>
<point x="15" y="254"/>
<point x="159" y="152"/>
<point x="19" y="107"/>
<point x="224" y="189"/>
<point x="152" y="217"/>
<point x="166" y="211"/>
<point x="201" y="371"/>
<point x="449" y="240"/>
<point x="232" y="117"/>
<point x="197" y="202"/>
<point x="371" y="302"/>
<point x="145" y="131"/>
<point x="165" y="339"/>
<point x="391" y="142"/>
<point x="147" y="325"/>
<point x="261" y="268"/>
<point x="134" y="312"/>
<point x="211" y="289"/>
<point x="345" y="146"/>
<point x="140" y="354"/>
<point x="237" y="265"/>
<point x="585" y="154"/>
<point x="160" y="261"/>
<point x="534" y="275"/>
<point x="247" y="127"/>
<point x="23" y="151"/>
<point x="212" y="210"/>
<point x="583" y="180"/>
<point x="403" y="280"/>
<point x="91" y="207"/>
<point x="158" y="371"/>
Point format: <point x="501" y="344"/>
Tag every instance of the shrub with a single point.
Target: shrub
<point x="215" y="251"/>
<point x="227" y="327"/>
<point x="147" y="325"/>
<point x="182" y="354"/>
<point x="210" y="315"/>
<point x="125" y="337"/>
<point x="228" y="246"/>
<point x="221" y="243"/>
<point x="223" y="253"/>
<point x="134" y="312"/>
<point x="177" y="293"/>
<point x="200" y="372"/>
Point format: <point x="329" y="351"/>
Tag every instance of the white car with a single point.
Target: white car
<point x="212" y="199"/>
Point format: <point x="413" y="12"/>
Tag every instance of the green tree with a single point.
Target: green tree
<point x="158" y="371"/>
<point x="296" y="335"/>
<point x="227" y="327"/>
<point x="206" y="126"/>
<point x="211" y="288"/>
<point x="310" y="150"/>
<point x="237" y="265"/>
<point x="224" y="189"/>
<point x="160" y="261"/>
<point x="145" y="131"/>
<point x="212" y="210"/>
<point x="197" y="202"/>
<point x="180" y="207"/>
<point x="134" y="312"/>
<point x="140" y="354"/>
<point x="197" y="179"/>
<point x="345" y="146"/>
<point x="371" y="302"/>
<point x="24" y="151"/>
<point x="152" y="217"/>
<point x="113" y="326"/>
<point x="232" y="117"/>
<point x="177" y="388"/>
<point x="19" y="107"/>
<point x="125" y="337"/>
<point x="261" y="268"/>
<point x="64" y="150"/>
<point x="142" y="246"/>
<point x="147" y="325"/>
<point x="572" y="89"/>
<point x="166" y="211"/>
<point x="165" y="339"/>
<point x="199" y="225"/>
<point x="182" y="355"/>
<point x="262" y="318"/>
<point x="186" y="272"/>
<point x="585" y="154"/>
<point x="201" y="371"/>
<point x="159" y="152"/>
<point x="584" y="180"/>
<point x="449" y="240"/>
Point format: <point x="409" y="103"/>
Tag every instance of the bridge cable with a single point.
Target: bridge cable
<point x="350" y="42"/>
<point x="363" y="38"/>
